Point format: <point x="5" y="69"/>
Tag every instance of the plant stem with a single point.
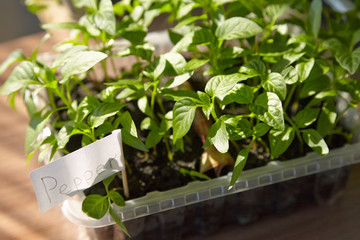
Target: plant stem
<point x="213" y="112"/>
<point x="170" y="156"/>
<point x="104" y="66"/>
<point x="297" y="132"/>
<point x="86" y="89"/>
<point x="236" y="146"/>
<point x="161" y="105"/>
<point x="153" y="96"/>
<point x="125" y="183"/>
<point x="267" y="149"/>
<point x="289" y="96"/>
<point x="341" y="114"/>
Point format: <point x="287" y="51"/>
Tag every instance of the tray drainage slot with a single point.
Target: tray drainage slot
<point x="191" y="198"/>
<point x="290" y="173"/>
<point x="166" y="204"/>
<point x="313" y="168"/>
<point x="264" y="180"/>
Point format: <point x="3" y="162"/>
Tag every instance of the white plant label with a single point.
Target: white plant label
<point x="77" y="171"/>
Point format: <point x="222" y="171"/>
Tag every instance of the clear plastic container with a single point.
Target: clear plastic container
<point x="199" y="204"/>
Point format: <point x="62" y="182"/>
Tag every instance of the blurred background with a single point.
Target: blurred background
<point x="16" y="21"/>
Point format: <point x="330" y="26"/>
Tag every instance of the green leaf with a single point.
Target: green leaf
<point x="30" y="103"/>
<point x="315" y="85"/>
<point x="64" y="135"/>
<point x="136" y="35"/>
<point x="319" y="69"/>
<point x="240" y="93"/>
<point x="103" y="111"/>
<point x="206" y="104"/>
<point x="321" y="96"/>
<point x="194" y="174"/>
<point x="219" y="136"/>
<point x="268" y="108"/>
<point x="149" y="16"/>
<point x="195" y="63"/>
<point x="95" y="206"/>
<point x="36" y="125"/>
<point x="185" y="8"/>
<point x="81" y="62"/>
<point x="239" y="165"/>
<point x="291" y="57"/>
<point x="306" y="117"/>
<point x="274" y="11"/>
<point x="349" y="61"/>
<point x="280" y="141"/>
<point x="275" y="83"/>
<point x="155" y="136"/>
<point x="351" y="86"/>
<point x="85" y="107"/>
<point x="160" y="67"/>
<point x="116" y="198"/>
<point x="68" y="54"/>
<point x="145" y="51"/>
<point x="128" y="123"/>
<point x="132" y="141"/>
<point x="332" y="44"/>
<point x="276" y="46"/>
<point x="63" y="25"/>
<point x="314" y="140"/>
<point x="327" y="119"/>
<point x="220" y="85"/>
<point x="107" y="181"/>
<point x="184" y="42"/>
<point x="189" y="20"/>
<point x="291" y="75"/>
<point x="355" y="39"/>
<point x="177" y="62"/>
<point x="254" y="67"/>
<point x="202" y="37"/>
<point x="91" y="4"/>
<point x="260" y="129"/>
<point x="14" y="57"/>
<point x="178" y="80"/>
<point x="22" y="76"/>
<point x="238" y="128"/>
<point x="237" y="27"/>
<point x="233" y="52"/>
<point x="313" y="21"/>
<point x="176" y="95"/>
<point x="304" y="69"/>
<point x="118" y="221"/>
<point x="105" y="17"/>
<point x="44" y="153"/>
<point x="103" y="130"/>
<point x="137" y="13"/>
<point x="87" y="22"/>
<point x="144" y="106"/>
<point x="184" y="113"/>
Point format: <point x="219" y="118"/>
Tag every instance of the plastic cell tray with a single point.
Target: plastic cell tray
<point x="196" y="192"/>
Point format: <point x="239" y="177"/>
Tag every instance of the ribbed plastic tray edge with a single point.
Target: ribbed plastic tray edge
<point x="196" y="192"/>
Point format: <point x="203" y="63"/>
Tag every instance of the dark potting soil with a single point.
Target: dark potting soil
<point x="153" y="171"/>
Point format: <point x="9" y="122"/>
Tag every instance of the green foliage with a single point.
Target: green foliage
<point x="262" y="74"/>
<point x="96" y="205"/>
<point x="237" y="27"/>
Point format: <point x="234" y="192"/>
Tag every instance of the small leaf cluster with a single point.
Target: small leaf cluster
<point x="262" y="73"/>
<point x="96" y="205"/>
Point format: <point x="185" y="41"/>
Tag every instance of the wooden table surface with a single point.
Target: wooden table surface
<point x="20" y="217"/>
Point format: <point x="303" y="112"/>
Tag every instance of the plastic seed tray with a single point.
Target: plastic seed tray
<point x="196" y="192"/>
